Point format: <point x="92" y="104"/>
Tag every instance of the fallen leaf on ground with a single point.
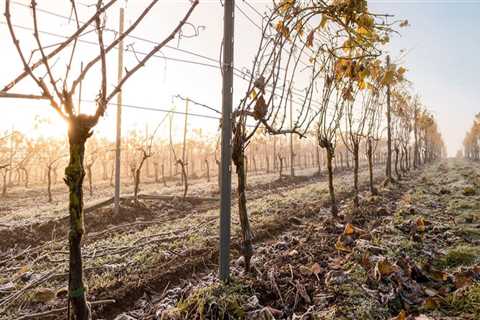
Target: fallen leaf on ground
<point x="316" y="269"/>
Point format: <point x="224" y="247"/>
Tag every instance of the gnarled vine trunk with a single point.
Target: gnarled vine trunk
<point x="355" y="174"/>
<point x="331" y="189"/>
<point x="136" y="186"/>
<point x="163" y="175"/>
<point x="219" y="175"/>
<point x="347" y="160"/>
<point x="90" y="181"/>
<point x="280" y="170"/>
<point x="155" y="171"/>
<point x="104" y="171"/>
<point x="4" y="186"/>
<point x="74" y="176"/>
<point x="26" y="176"/>
<point x="407" y="158"/>
<point x="402" y="164"/>
<point x="112" y="174"/>
<point x="183" y="166"/>
<point x="396" y="163"/>
<point x="370" y="166"/>
<point x="137" y="175"/>
<point x="238" y="157"/>
<point x="207" y="169"/>
<point x="318" y="160"/>
<point x="49" y="183"/>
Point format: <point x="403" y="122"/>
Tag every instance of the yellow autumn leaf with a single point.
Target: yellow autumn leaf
<point x="420" y="224"/>
<point x="388" y="77"/>
<point x="316" y="269"/>
<point x="310" y="38"/>
<point x="404" y="23"/>
<point x="24" y="269"/>
<point x="365" y="20"/>
<point x="401" y="71"/>
<point x="299" y="28"/>
<point x="279" y="26"/>
<point x="401" y="316"/>
<point x="438" y="275"/>
<point x="253" y="94"/>
<point x="384" y="267"/>
<point x="340" y="246"/>
<point x="363" y="31"/>
<point x="347" y="94"/>
<point x="348" y="46"/>
<point x="324" y="21"/>
<point x="362" y="84"/>
<point x="285" y="5"/>
<point x="341" y="66"/>
<point x="430" y="303"/>
<point x="363" y="73"/>
<point x="349" y="230"/>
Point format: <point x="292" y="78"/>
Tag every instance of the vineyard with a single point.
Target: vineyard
<point x="320" y="188"/>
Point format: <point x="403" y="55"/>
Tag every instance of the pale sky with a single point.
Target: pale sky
<point x="442" y="44"/>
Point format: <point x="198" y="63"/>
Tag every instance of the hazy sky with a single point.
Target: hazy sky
<point x="442" y="42"/>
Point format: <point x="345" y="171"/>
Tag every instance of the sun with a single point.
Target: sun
<point x="34" y="119"/>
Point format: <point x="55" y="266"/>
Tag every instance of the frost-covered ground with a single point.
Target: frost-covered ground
<point x="25" y="206"/>
<point x="160" y="242"/>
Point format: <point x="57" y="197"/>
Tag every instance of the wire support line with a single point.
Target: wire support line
<point x="197" y="103"/>
<point x="241" y="74"/>
<point x="165" y="110"/>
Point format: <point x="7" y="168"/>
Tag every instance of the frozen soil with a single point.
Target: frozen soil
<point x="33" y="231"/>
<point x="25" y="206"/>
<point x="411" y="252"/>
<point x="152" y="244"/>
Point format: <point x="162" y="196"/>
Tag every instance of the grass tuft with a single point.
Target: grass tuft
<point x="217" y="301"/>
<point x="462" y="255"/>
<point x="464" y="300"/>
<point x="469" y="191"/>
